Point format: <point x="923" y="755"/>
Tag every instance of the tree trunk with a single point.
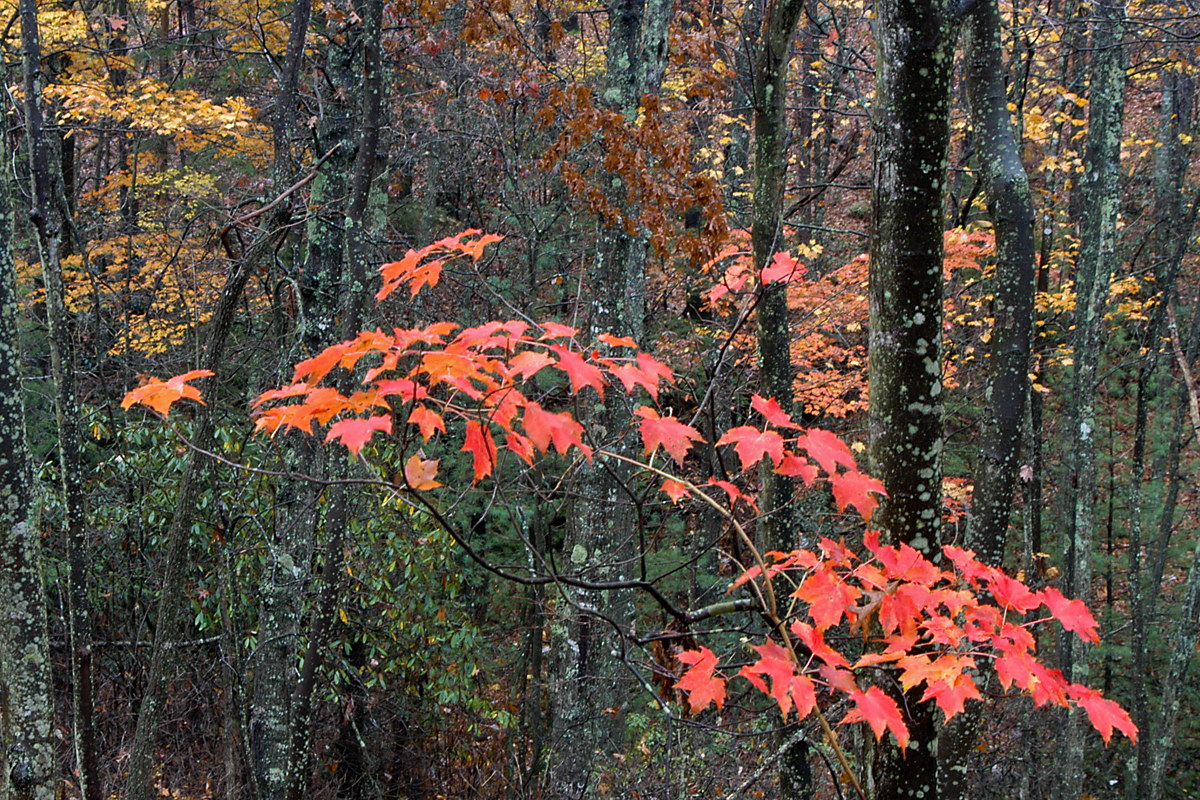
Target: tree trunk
<point x="1097" y="255"/>
<point x="49" y="203"/>
<point x="589" y="692"/>
<point x="1010" y="205"/>
<point x="29" y="768"/>
<point x="914" y="61"/>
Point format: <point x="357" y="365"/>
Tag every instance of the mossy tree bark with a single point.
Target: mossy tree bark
<point x="589" y="690"/>
<point x="47" y="213"/>
<point x="914" y="61"/>
<point x="1093" y="272"/>
<point x="27" y="763"/>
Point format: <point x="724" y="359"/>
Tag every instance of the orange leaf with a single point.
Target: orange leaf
<point x="428" y="421"/>
<point x="675" y="490"/>
<point x="159" y="395"/>
<point x="419" y="473"/>
<point x="617" y="341"/>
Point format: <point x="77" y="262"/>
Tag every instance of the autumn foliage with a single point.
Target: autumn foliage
<point x="926" y="625"/>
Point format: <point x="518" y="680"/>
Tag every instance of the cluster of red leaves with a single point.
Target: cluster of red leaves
<point x="933" y="623"/>
<point x="480" y="376"/>
<point x="934" y="629"/>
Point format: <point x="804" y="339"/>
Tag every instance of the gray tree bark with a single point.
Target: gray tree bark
<point x="1093" y="272"/>
<point x="589" y="684"/>
<point x="27" y="764"/>
<point x="47" y="214"/>
<point x="169" y="625"/>
<point x="914" y="61"/>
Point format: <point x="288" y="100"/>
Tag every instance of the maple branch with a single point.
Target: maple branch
<point x="766" y="604"/>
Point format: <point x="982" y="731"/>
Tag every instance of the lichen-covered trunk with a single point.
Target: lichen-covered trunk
<point x="589" y="689"/>
<point x="1010" y="205"/>
<point x="914" y="60"/>
<point x="1093" y="271"/>
<point x="47" y="214"/>
<point x="353" y="291"/>
<point x="1168" y="250"/>
<point x="26" y="705"/>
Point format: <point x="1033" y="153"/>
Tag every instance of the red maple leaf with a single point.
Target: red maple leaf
<point x="579" y="371"/>
<point x="521" y="446"/>
<point x="880" y="712"/>
<point x="545" y="428"/>
<point x="1103" y="714"/>
<point x="856" y="489"/>
<point x="675" y="437"/>
<point x="792" y="465"/>
<point x="951" y="695"/>
<point x="702" y="686"/>
<point x="482" y="447"/>
<point x="827" y="596"/>
<point x="751" y="444"/>
<point x="782" y="269"/>
<point x="355" y="433"/>
<point x="1073" y="615"/>
<point x="1011" y="593"/>
<point x="776" y="663"/>
<point x="814" y="640"/>
<point x="827" y="450"/>
<point x="528" y="362"/>
<point x="772" y="412"/>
